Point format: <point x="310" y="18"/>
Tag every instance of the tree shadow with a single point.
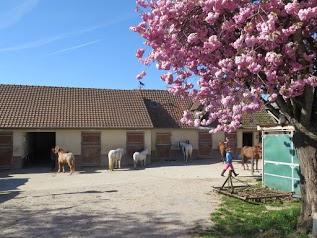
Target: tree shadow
<point x="72" y="221"/>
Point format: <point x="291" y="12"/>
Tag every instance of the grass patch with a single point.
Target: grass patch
<point x="237" y="218"/>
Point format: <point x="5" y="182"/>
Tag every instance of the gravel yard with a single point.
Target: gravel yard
<point x="165" y="199"/>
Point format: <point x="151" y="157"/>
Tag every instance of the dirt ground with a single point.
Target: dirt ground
<point x="165" y="199"/>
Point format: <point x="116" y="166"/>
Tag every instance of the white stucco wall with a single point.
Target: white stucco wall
<point x="176" y="136"/>
<point x="219" y="136"/>
<point x="69" y="140"/>
<point x="183" y="135"/>
<point x="113" y="139"/>
<point x="19" y="143"/>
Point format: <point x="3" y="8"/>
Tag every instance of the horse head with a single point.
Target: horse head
<point x="146" y="150"/>
<point x="58" y="149"/>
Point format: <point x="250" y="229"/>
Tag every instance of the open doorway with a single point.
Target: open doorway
<point x="39" y="146"/>
<point x="247" y="139"/>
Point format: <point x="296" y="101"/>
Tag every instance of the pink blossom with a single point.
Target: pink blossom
<point x="273" y="97"/>
<point x="292" y="7"/>
<point x="196" y="122"/>
<point x="141" y="75"/>
<point x="142" y="3"/>
<point x="312" y="81"/>
<point x="254" y="68"/>
<point x="139" y="53"/>
<point x="168" y="78"/>
<point x="306" y="14"/>
<point x="309" y="57"/>
<point x="212" y="17"/>
<point x="289" y="31"/>
<point x="229" y="47"/>
<point x="193" y="38"/>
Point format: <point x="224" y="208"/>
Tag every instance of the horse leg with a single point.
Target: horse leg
<point x="59" y="167"/>
<point x="70" y="168"/>
<point x="242" y="161"/>
<point x="144" y="162"/>
<point x="119" y="163"/>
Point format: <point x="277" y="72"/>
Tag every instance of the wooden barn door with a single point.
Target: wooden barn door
<point x="205" y="144"/>
<point x="232" y="141"/>
<point x="5" y="150"/>
<point x="90" y="148"/>
<point x="163" y="145"/>
<point x="135" y="142"/>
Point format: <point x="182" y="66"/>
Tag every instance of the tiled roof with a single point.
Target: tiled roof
<point x="262" y="117"/>
<point x="70" y="108"/>
<point x="249" y="121"/>
<point x="61" y="107"/>
<point x="165" y="109"/>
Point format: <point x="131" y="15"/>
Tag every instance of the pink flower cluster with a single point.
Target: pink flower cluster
<point x="237" y="50"/>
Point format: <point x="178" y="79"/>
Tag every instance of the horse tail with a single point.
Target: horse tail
<point x="72" y="162"/>
<point x="110" y="164"/>
<point x="190" y="153"/>
<point x="110" y="160"/>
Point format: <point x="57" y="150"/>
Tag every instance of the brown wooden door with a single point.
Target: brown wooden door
<point x="163" y="145"/>
<point x="5" y="150"/>
<point x="205" y="144"/>
<point x="135" y="142"/>
<point x="90" y="148"/>
<point x="232" y="141"/>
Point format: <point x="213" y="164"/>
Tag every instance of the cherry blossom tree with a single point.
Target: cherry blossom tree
<point x="238" y="51"/>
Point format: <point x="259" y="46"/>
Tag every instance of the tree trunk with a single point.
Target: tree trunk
<point x="307" y="155"/>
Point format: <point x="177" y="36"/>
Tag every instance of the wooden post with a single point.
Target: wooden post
<point x="230" y="179"/>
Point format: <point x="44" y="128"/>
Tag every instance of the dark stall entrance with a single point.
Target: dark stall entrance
<point x="39" y="147"/>
<point x="247" y="139"/>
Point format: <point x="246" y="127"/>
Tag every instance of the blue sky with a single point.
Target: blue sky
<point x="72" y="43"/>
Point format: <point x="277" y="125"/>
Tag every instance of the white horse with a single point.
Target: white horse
<point x="115" y="157"/>
<point x="65" y="158"/>
<point x="140" y="156"/>
<point x="187" y="149"/>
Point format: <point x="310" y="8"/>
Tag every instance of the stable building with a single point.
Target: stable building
<point x="90" y="122"/>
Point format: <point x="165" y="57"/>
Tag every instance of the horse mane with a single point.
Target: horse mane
<point x="59" y="149"/>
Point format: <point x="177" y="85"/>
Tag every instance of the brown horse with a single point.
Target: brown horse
<point x="65" y="158"/>
<point x="247" y="152"/>
<point x="222" y="150"/>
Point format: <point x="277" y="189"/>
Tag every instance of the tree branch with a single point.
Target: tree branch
<point x="304" y="130"/>
<point x="306" y="111"/>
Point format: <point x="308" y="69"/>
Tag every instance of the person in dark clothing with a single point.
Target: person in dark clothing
<point x="53" y="159"/>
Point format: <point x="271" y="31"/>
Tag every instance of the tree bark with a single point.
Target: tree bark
<point x="307" y="155"/>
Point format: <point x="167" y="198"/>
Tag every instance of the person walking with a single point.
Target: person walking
<point x="54" y="156"/>
<point x="229" y="163"/>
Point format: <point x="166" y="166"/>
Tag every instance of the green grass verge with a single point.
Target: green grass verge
<point x="237" y="218"/>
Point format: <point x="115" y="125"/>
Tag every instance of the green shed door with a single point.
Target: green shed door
<point x="281" y="168"/>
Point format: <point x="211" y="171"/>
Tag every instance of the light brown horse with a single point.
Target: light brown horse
<point x="223" y="145"/>
<point x="222" y="150"/>
<point x="247" y="152"/>
<point x="65" y="158"/>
